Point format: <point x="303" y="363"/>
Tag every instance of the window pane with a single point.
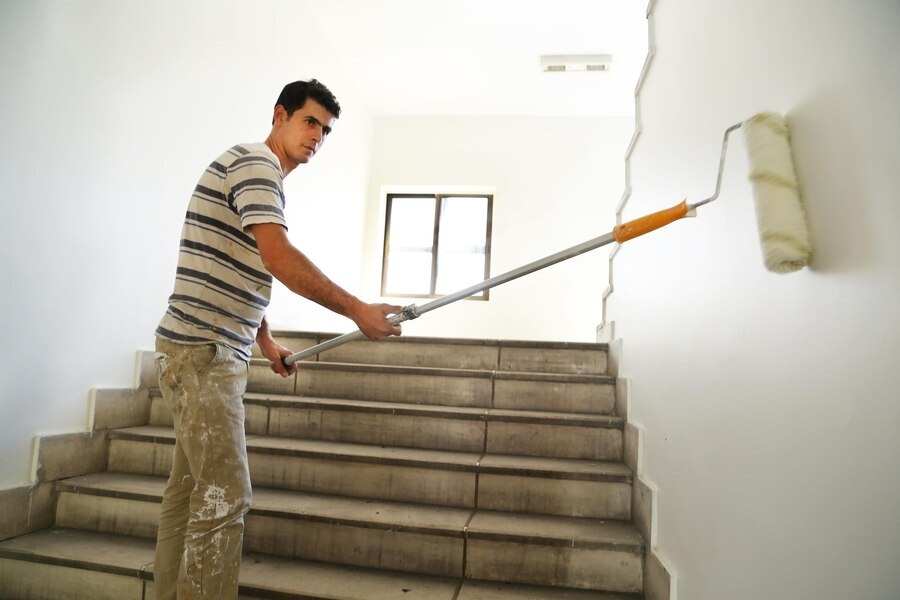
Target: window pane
<point x="412" y="224"/>
<point x="410" y="245"/>
<point x="409" y="273"/>
<point x="461" y="245"/>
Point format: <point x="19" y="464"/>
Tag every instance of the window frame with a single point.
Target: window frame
<point x="438" y="197"/>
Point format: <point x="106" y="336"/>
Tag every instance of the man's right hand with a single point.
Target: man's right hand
<point x="372" y="319"/>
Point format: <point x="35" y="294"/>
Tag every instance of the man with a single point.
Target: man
<point x="233" y="241"/>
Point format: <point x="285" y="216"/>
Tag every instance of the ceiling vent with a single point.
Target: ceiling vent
<point x="561" y="63"/>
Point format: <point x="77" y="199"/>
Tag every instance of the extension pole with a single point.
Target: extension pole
<point x="620" y="234"/>
<point x="412" y="311"/>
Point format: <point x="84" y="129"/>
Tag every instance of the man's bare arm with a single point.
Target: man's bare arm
<point x="292" y="268"/>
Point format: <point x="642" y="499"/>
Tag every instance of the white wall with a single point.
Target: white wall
<point x="556" y="183"/>
<point x="110" y="111"/>
<point x="769" y="402"/>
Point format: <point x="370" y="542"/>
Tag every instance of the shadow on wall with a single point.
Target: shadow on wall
<point x="827" y="160"/>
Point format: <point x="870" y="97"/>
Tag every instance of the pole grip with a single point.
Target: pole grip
<point x="646" y="224"/>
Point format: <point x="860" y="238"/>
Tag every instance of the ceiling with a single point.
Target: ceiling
<point x="482" y="57"/>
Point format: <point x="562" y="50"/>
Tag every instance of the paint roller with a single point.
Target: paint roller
<point x="781" y="221"/>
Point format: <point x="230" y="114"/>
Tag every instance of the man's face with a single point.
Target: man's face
<point x="301" y="134"/>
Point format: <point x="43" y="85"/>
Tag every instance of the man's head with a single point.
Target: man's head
<point x="294" y="96"/>
<point x="304" y="115"/>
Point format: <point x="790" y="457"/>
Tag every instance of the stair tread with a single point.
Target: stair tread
<point x="98" y="551"/>
<point x="546" y="467"/>
<point x="492" y="414"/>
<point x="320" y="507"/>
<point x="571" y="531"/>
<point x="558" y="468"/>
<point x="107" y="552"/>
<point x="287" y="578"/>
<point x="574" y="531"/>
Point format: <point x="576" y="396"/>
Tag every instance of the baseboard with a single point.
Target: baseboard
<point x="70" y="455"/>
<point x="115" y="408"/>
<point x="26" y="509"/>
<point x="659" y="579"/>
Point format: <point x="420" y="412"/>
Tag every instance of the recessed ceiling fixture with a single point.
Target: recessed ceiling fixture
<point x="562" y="63"/>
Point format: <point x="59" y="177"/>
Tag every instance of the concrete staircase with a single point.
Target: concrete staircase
<point x="410" y="468"/>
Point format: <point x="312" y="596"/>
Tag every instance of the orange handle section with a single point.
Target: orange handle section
<point x="632" y="229"/>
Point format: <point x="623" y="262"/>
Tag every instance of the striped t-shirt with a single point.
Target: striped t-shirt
<point x="221" y="287"/>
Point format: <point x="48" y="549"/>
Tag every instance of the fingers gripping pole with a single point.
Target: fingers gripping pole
<point x="409" y="313"/>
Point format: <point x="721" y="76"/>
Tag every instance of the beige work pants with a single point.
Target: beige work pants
<point x="201" y="525"/>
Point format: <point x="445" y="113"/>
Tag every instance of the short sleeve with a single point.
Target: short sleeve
<point x="256" y="190"/>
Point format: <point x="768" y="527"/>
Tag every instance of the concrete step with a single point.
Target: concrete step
<point x="510" y="390"/>
<point x="577" y="553"/>
<point x="456" y="353"/>
<point x="566" y="487"/>
<point x="80" y="565"/>
<point x="396" y="536"/>
<point x="351" y="531"/>
<point x="527" y="433"/>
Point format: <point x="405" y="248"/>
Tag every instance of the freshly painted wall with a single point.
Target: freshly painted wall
<point x="109" y="112"/>
<point x="769" y="402"/>
<point x="555" y="181"/>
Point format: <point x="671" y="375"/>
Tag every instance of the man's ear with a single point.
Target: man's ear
<point x="280" y="114"/>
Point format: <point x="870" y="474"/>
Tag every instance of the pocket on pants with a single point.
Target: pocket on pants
<point x="181" y="366"/>
<point x="207" y="357"/>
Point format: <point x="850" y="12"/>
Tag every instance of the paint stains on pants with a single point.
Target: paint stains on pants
<point x="201" y="526"/>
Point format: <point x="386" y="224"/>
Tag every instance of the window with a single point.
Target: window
<point x="436" y="244"/>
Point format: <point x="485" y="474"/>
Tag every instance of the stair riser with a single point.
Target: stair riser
<point x="418" y="431"/>
<point x="539" y="360"/>
<point x="108" y="515"/>
<point x="477" y="391"/>
<point x="490" y="357"/>
<point x="37" y="581"/>
<point x="554" y="441"/>
<point x="380" y="429"/>
<point x="256" y="417"/>
<point x="319" y="475"/>
<point x="561" y="497"/>
<point x="411" y="552"/>
<point x="408" y="552"/>
<point x="391" y="387"/>
<point x="399" y="483"/>
<point x="441" y="356"/>
<point x="591" y="398"/>
<point x="586" y="568"/>
<point x="437" y="433"/>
